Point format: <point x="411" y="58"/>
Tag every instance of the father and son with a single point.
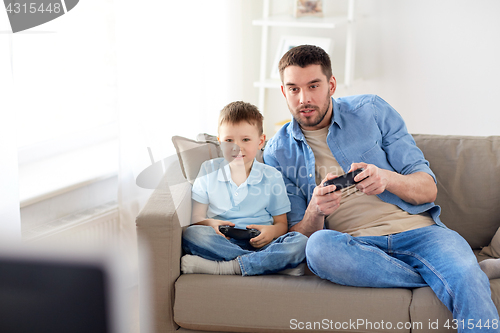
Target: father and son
<point x="384" y="232"/>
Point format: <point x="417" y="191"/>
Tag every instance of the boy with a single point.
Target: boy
<point x="237" y="190"/>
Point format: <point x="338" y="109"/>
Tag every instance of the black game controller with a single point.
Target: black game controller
<point x="344" y="180"/>
<point x="237" y="233"/>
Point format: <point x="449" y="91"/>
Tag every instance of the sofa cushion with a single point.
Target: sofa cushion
<point x="276" y="303"/>
<point x="192" y="154"/>
<point x="466" y="169"/>
<point x="493" y="250"/>
<point x="495" y="292"/>
<point x="426" y="305"/>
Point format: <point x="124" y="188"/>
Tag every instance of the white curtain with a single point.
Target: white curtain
<point x="10" y="223"/>
<point x="179" y="63"/>
<point x="56" y="83"/>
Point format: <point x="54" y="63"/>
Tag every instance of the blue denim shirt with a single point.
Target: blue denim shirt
<point x="364" y="128"/>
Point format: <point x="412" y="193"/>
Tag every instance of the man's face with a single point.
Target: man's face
<point x="308" y="95"/>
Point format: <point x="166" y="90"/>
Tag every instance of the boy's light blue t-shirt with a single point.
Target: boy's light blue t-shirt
<point x="262" y="196"/>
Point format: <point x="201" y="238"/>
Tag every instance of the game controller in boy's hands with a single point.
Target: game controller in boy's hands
<point x="237" y="233"/>
<point x="344" y="180"/>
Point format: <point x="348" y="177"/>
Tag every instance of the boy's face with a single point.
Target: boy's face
<point x="240" y="142"/>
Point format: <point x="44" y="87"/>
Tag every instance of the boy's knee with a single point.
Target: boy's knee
<point x="299" y="245"/>
<point x="299" y="239"/>
<point x="195" y="233"/>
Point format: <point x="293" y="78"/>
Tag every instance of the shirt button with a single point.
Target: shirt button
<point x="310" y="175"/>
<point x="236" y="194"/>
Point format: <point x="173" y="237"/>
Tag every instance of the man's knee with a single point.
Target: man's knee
<point x="325" y="238"/>
<point x="470" y="273"/>
<point x="324" y="245"/>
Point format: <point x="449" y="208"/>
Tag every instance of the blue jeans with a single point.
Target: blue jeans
<point x="284" y="252"/>
<point x="432" y="256"/>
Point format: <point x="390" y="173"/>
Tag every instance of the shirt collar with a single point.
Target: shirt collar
<point x="337" y="119"/>
<point x="224" y="172"/>
<point x="255" y="176"/>
<point x="256" y="173"/>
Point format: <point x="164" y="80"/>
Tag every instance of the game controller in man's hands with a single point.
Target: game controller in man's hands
<point x="237" y="233"/>
<point x="344" y="181"/>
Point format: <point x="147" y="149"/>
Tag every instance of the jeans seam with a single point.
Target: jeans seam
<point x="388" y="258"/>
<point x="431" y="268"/>
<point x="242" y="266"/>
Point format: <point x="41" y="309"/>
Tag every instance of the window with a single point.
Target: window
<point x="64" y="78"/>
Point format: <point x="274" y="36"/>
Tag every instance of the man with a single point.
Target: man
<point x="386" y="229"/>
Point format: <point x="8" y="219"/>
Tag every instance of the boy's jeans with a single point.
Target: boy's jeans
<point x="284" y="252"/>
<point x="431" y="256"/>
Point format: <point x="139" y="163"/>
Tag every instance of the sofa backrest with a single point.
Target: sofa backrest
<point x="467" y="169"/>
<point x="192" y="153"/>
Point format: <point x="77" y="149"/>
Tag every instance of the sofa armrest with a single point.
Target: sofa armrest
<point x="159" y="236"/>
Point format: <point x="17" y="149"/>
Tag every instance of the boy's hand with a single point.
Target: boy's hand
<point x="214" y="223"/>
<point x="266" y="235"/>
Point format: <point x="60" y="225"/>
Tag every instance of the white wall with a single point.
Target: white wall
<point x="436" y="62"/>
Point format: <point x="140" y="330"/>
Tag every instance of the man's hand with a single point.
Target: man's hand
<point x="324" y="200"/>
<point x="375" y="180"/>
<point x="416" y="188"/>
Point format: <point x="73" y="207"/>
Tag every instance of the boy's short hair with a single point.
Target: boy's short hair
<point x="239" y="111"/>
<point x="305" y="55"/>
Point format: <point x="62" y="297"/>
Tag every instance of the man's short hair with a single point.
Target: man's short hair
<point x="239" y="111"/>
<point x="305" y="55"/>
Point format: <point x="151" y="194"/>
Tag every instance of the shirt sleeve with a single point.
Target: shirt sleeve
<point x="399" y="146"/>
<point x="278" y="202"/>
<point x="297" y="198"/>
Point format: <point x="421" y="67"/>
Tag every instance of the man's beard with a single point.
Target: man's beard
<point x="321" y="114"/>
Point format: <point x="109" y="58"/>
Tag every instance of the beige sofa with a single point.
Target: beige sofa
<point x="467" y="169"/>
